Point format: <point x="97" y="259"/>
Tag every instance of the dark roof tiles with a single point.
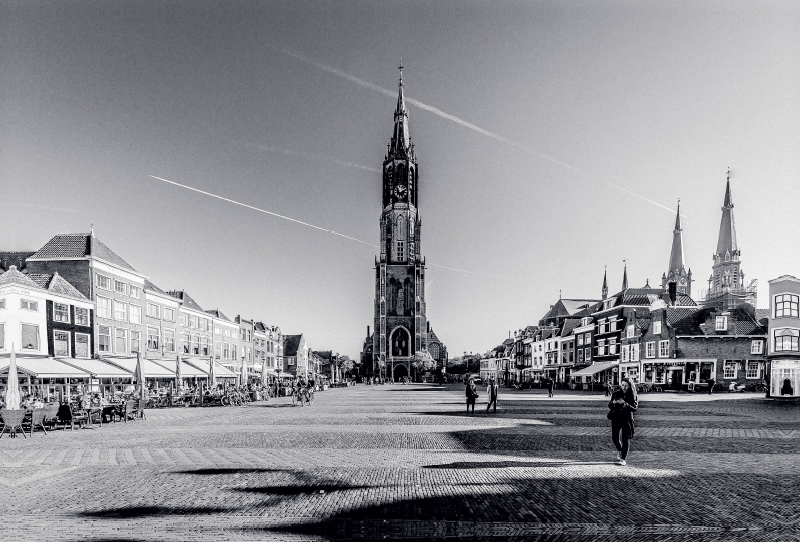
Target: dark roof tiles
<point x="79" y="245"/>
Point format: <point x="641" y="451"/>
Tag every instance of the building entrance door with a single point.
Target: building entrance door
<point x="677" y="379"/>
<point x="400" y="371"/>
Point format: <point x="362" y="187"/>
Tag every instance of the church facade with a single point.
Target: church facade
<point x="400" y="323"/>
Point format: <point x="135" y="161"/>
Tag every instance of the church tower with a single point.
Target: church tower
<point x="726" y="286"/>
<point x="676" y="272"/>
<point x="400" y="322"/>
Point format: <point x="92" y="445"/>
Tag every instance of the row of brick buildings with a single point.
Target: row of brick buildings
<point x="75" y="308"/>
<point x="663" y="335"/>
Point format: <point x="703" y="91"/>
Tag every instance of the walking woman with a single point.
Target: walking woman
<point x="472" y="394"/>
<point x="621" y="408"/>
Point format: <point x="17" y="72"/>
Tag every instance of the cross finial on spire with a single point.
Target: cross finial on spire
<point x="729" y="173"/>
<point x="91" y="229"/>
<point x="400" y="67"/>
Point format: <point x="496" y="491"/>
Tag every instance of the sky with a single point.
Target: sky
<point x="569" y="132"/>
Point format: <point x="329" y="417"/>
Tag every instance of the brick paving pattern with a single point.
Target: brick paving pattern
<point x="405" y="462"/>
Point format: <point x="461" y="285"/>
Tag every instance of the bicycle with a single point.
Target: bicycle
<point x="760" y="388"/>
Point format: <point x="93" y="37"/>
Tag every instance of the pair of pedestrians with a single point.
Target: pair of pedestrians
<point x="472" y="394"/>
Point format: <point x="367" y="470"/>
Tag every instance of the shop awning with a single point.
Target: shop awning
<point x="220" y="371"/>
<point x="97" y="368"/>
<point x="594" y="369"/>
<point x="188" y="370"/>
<point x="44" y="368"/>
<point x="150" y="368"/>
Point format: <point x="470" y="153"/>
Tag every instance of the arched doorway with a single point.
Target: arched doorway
<point x="400" y="371"/>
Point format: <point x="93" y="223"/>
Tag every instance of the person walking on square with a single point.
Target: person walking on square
<point x="472" y="394"/>
<point x="550" y="385"/>
<point x="711" y="383"/>
<point x="608" y="387"/>
<point x="491" y="391"/>
<point x="621" y="408"/>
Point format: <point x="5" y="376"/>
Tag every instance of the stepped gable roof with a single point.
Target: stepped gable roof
<point x="14" y="276"/>
<point x="153" y="288"/>
<point x="79" y="245"/>
<point x="186" y="300"/>
<point x="569" y="325"/>
<point x="290" y="344"/>
<point x="9" y="258"/>
<point x="216" y="313"/>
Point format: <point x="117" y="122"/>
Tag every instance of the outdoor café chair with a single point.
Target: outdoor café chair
<point x="51" y="414"/>
<point x="37" y="419"/>
<point x="140" y="410"/>
<point x="68" y="415"/>
<point x="130" y="411"/>
<point x="12" y="419"/>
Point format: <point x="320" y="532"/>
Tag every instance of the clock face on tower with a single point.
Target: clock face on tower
<point x="683" y="282"/>
<point x="400" y="191"/>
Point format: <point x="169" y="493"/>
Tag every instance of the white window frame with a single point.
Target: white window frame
<point x="635" y="352"/>
<point x="612" y="346"/>
<point x="721" y="323"/>
<point x="757" y="346"/>
<point x="792" y="333"/>
<point x="135" y="314"/>
<point x="624" y="353"/>
<point x="29" y="305"/>
<point x="730" y="363"/>
<point x="750" y="375"/>
<point x="168" y="314"/>
<point x="38" y="345"/>
<point x="629" y="333"/>
<point x="663" y="349"/>
<point x="100" y="279"/>
<point x="125" y="337"/>
<point x="88" y="345"/>
<point x="124" y="290"/>
<point x="789" y="308"/>
<point x="157" y="335"/>
<point x="69" y="346"/>
<point x="134" y="336"/>
<point x="657" y="327"/>
<point x="650" y="349"/>
<point x="169" y="344"/>
<point x="153" y="310"/>
<point x="101" y="334"/>
<point x="80" y="321"/>
<point x="56" y="312"/>
<point x="134" y="291"/>
<point x="117" y="305"/>
<point x="104" y="311"/>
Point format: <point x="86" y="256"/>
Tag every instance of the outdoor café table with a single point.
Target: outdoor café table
<point x="91" y="410"/>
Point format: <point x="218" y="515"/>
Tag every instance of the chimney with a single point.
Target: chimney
<point x="367" y="331"/>
<point x="673" y="292"/>
<point x="429" y="326"/>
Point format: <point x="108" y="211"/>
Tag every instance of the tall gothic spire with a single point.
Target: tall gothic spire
<point x="625" y="276"/>
<point x="605" y="283"/>
<point x="676" y="261"/>
<point x="401" y="140"/>
<point x="727" y="229"/>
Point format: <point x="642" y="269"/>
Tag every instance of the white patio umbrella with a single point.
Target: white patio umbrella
<point x="242" y="373"/>
<point x="263" y="372"/>
<point x="12" y="397"/>
<point x="211" y="375"/>
<point x="138" y="375"/>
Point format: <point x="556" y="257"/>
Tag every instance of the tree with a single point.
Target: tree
<point x="343" y="364"/>
<point x="423" y="361"/>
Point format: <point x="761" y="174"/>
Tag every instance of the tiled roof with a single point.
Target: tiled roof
<point x="762" y="316"/>
<point x="569" y="325"/>
<point x="187" y="301"/>
<point x="14" y="276"/>
<point x="153" y="288"/>
<point x="291" y="344"/>
<point x="675" y="314"/>
<point x="59" y="285"/>
<point x="216" y="313"/>
<point x="324" y="354"/>
<point x="259" y="326"/>
<point x="642" y="323"/>
<point x="79" y="245"/>
<point x="7" y="259"/>
<point x="741" y="322"/>
<point x="433" y="338"/>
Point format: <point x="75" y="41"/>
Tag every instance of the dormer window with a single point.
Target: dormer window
<point x="721" y="323"/>
<point x="657" y="327"/>
<point x="629" y="333"/>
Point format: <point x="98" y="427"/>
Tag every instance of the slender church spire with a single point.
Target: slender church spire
<point x="605" y="283"/>
<point x="401" y="140"/>
<point x="726" y="243"/>
<point x="625" y="276"/>
<point x="676" y="261"/>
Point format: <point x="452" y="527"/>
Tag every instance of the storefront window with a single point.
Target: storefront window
<point x="706" y="371"/>
<point x="660" y="374"/>
<point x="785" y="378"/>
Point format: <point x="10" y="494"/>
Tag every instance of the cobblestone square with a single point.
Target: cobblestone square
<point x="406" y="462"/>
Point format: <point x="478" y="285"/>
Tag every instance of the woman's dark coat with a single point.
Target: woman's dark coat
<point x="472" y="392"/>
<point x="623" y="413"/>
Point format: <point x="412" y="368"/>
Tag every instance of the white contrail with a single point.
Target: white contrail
<point x="457" y="120"/>
<point x="280" y="150"/>
<point x="301" y="222"/>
